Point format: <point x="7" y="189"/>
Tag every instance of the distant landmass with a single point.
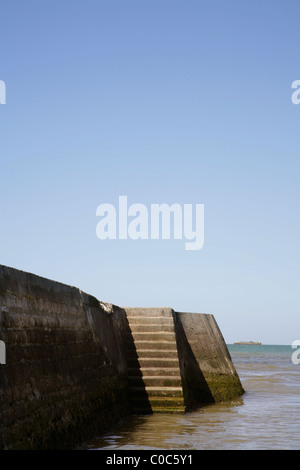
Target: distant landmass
<point x="247" y="342"/>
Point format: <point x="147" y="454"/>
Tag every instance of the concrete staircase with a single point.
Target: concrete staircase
<point x="153" y="366"/>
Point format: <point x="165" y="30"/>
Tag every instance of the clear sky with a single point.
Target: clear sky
<point x="164" y="101"/>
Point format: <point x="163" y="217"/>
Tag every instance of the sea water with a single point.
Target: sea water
<point x="266" y="417"/>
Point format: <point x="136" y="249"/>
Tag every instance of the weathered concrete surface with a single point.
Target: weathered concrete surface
<point x="154" y="372"/>
<point x="110" y="326"/>
<point x="65" y="373"/>
<point x="207" y="371"/>
<point x="178" y="361"/>
<point x="72" y="362"/>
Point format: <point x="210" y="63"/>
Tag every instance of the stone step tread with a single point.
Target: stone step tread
<point x="148" y="359"/>
<point x="170" y="334"/>
<point x="132" y="315"/>
<point x="170" y="410"/>
<point x="145" y="354"/>
<point x="144" y="342"/>
<point x="146" y="369"/>
<point x="160" y="377"/>
<point x="151" y="345"/>
<point x="158" y="401"/>
<point x="155" y="341"/>
<point x="151" y="328"/>
<point x="157" y="389"/>
<point x="149" y="367"/>
<point x="153" y="381"/>
<point x="164" y="321"/>
<point x="159" y="392"/>
<point x="152" y="337"/>
<point x="153" y="349"/>
<point x="154" y="372"/>
<point x="158" y="368"/>
<point x="153" y="363"/>
<point x="146" y="319"/>
<point x="148" y="355"/>
<point x="163" y="409"/>
<point x="149" y="312"/>
<point x="175" y="394"/>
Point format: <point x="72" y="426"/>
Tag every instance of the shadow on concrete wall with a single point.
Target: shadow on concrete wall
<point x="139" y="399"/>
<point x="195" y="388"/>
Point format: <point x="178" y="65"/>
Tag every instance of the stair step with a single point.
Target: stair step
<point x="152" y="336"/>
<point x="146" y="320"/>
<point x="153" y="371"/>
<point x="151" y="327"/>
<point x="142" y="402"/>
<point x="150" y="345"/>
<point x="143" y="363"/>
<point x="148" y="354"/>
<point x="151" y="312"/>
<point x="152" y="391"/>
<point x="169" y="410"/>
<point x="158" y="381"/>
<point x="159" y="409"/>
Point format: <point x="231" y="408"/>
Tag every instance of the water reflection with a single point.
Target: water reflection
<point x="267" y="416"/>
<point x="168" y="431"/>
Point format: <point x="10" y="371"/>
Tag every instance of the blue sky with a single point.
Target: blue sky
<point x="165" y="102"/>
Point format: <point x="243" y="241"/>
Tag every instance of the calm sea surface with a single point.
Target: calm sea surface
<point x="267" y="416"/>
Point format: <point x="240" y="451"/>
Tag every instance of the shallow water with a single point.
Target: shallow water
<point x="267" y="416"/>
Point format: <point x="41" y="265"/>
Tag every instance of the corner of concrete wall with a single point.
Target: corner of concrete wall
<point x="109" y="325"/>
<point x="208" y="373"/>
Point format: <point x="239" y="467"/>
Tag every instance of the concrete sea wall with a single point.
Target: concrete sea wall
<point x="72" y="362"/>
<point x="207" y="371"/>
<point x="65" y="372"/>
